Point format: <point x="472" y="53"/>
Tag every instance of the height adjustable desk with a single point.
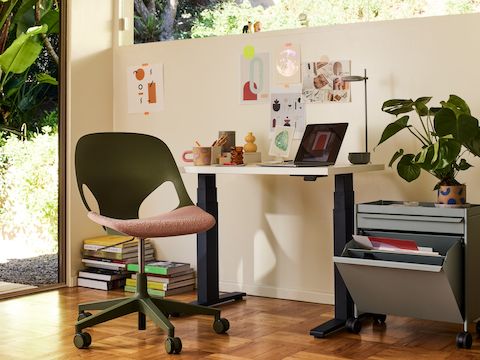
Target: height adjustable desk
<point x="343" y="218"/>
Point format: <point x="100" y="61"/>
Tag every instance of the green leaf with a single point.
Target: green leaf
<point x="22" y="52"/>
<point x="397" y="106"/>
<point x="463" y="165"/>
<point x="394" y="128"/>
<point x="420" y="105"/>
<point x="445" y="122"/>
<point x="448" y="152"/>
<point x="52" y="20"/>
<point x="407" y="169"/>
<point x="467" y="128"/>
<point x="395" y="157"/>
<point x="44" y="78"/>
<point x="457" y="105"/>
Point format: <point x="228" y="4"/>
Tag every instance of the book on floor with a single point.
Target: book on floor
<point x="162" y="293"/>
<point x="161" y="267"/>
<point x="168" y="279"/>
<point x="162" y="286"/>
<point x="100" y="284"/>
<point x="102" y="274"/>
<point x="114" y="256"/>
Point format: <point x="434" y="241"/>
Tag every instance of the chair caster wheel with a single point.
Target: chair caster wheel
<point x="82" y="340"/>
<point x="221" y="326"/>
<point x="175" y="314"/>
<point x="478" y="327"/>
<point x="464" y="340"/>
<point x="83" y="314"/>
<point x="379" y="318"/>
<point x="173" y="345"/>
<point x="353" y="325"/>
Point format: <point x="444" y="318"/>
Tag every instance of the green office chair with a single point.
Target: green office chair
<point x="121" y="170"/>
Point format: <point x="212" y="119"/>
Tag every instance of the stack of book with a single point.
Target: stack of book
<point x="106" y="258"/>
<point x="164" y="278"/>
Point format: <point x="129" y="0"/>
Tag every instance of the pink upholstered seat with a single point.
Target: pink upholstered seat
<point x="185" y="220"/>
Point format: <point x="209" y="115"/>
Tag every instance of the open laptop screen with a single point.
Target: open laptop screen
<point x="321" y="143"/>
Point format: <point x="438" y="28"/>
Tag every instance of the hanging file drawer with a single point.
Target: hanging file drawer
<point x="425" y="287"/>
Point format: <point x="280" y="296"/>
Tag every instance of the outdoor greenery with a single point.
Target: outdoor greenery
<point x="157" y="20"/>
<point x="29" y="122"/>
<point x="444" y="134"/>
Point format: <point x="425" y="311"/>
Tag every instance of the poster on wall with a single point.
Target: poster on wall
<point x="254" y="76"/>
<point x="287" y="109"/>
<point x="281" y="142"/>
<point x="287" y="64"/>
<point x="322" y="81"/>
<point x="145" y="88"/>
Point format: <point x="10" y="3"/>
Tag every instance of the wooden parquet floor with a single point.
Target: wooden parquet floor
<point x="41" y="326"/>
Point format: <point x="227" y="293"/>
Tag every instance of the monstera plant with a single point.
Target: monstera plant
<point x="444" y="135"/>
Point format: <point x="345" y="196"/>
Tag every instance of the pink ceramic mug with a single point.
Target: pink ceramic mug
<point x="201" y="155"/>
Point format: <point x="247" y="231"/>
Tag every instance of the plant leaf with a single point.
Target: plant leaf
<point x="397" y="106"/>
<point x="52" y="20"/>
<point x="420" y="105"/>
<point x="467" y="128"/>
<point x="407" y="169"/>
<point x="457" y="105"/>
<point x="445" y="122"/>
<point x="44" y="78"/>
<point x="448" y="152"/>
<point x="23" y="51"/>
<point x="394" y="128"/>
<point x="463" y="165"/>
<point x="395" y="157"/>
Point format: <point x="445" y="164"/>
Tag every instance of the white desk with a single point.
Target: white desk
<point x="343" y="219"/>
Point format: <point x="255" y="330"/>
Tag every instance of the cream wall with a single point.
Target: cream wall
<point x="90" y="104"/>
<point x="276" y="232"/>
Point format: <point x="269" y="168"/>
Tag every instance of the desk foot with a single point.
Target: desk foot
<point x="222" y="298"/>
<point x="327" y="328"/>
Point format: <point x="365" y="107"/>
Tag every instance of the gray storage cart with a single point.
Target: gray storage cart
<point x="444" y="288"/>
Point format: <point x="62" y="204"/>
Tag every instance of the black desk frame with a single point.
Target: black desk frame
<point x="207" y="250"/>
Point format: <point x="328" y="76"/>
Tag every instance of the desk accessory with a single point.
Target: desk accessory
<point x="237" y="155"/>
<point x="360" y="157"/>
<point x="229" y="141"/>
<point x="250" y="155"/>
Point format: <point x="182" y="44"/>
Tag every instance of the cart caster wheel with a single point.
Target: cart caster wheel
<point x="221" y="326"/>
<point x="379" y="318"/>
<point x="83" y="314"/>
<point x="478" y="327"/>
<point x="173" y="345"/>
<point x="464" y="340"/>
<point x="82" y="340"/>
<point x="353" y="325"/>
<point x="175" y="314"/>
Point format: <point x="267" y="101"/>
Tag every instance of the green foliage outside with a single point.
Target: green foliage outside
<point x="29" y="189"/>
<point x="197" y="19"/>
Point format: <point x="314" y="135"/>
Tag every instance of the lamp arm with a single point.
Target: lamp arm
<point x="366" y="117"/>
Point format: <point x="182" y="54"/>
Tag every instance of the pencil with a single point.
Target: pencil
<point x="197" y="143"/>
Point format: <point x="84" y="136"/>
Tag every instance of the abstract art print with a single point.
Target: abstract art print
<point x="254" y="76"/>
<point x="322" y="81"/>
<point x="287" y="109"/>
<point x="145" y="88"/>
<point x="281" y="142"/>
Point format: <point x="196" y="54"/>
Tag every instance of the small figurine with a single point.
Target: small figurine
<point x="250" y="146"/>
<point x="257" y="26"/>
<point x="247" y="28"/>
<point x="237" y="155"/>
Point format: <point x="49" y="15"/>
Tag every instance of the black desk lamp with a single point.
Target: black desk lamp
<point x="360" y="157"/>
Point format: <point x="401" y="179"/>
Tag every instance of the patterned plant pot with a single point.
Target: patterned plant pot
<point x="452" y="195"/>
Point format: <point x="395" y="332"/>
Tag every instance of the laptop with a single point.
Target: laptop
<point x="319" y="146"/>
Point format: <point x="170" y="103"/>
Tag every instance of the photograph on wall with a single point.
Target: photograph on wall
<point x="322" y="81"/>
<point x="254" y="76"/>
<point x="281" y="142"/>
<point x="287" y="64"/>
<point x="287" y="109"/>
<point x="145" y="88"/>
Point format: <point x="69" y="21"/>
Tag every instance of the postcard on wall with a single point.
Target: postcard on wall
<point x="287" y="64"/>
<point x="288" y="109"/>
<point x="254" y="78"/>
<point x="281" y="142"/>
<point x="145" y="88"/>
<point x="322" y="81"/>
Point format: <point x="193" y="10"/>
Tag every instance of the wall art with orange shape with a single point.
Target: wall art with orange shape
<point x="145" y="88"/>
<point x="254" y="76"/>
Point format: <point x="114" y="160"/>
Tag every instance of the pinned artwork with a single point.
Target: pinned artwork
<point x="288" y="109"/>
<point x="254" y="76"/>
<point x="322" y="81"/>
<point x="287" y="65"/>
<point x="145" y="88"/>
<point x="281" y="141"/>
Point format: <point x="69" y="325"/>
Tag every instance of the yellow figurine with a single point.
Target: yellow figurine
<point x="250" y="146"/>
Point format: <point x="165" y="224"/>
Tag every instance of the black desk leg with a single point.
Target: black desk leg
<point x="207" y="248"/>
<point x="343" y="227"/>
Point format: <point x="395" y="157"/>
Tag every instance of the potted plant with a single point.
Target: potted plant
<point x="444" y="134"/>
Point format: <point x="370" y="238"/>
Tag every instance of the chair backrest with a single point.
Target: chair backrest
<point x="122" y="169"/>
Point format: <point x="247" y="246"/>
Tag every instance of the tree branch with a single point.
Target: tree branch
<point x="46" y="41"/>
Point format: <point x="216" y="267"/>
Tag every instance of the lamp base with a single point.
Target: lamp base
<point x="358" y="158"/>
